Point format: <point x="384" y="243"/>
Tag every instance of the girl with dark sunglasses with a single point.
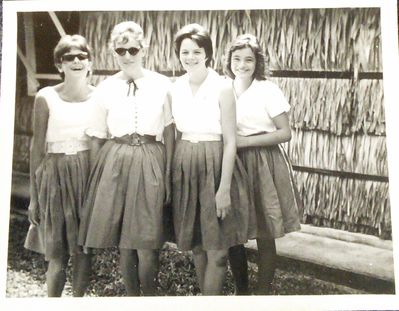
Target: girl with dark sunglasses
<point x="59" y="167"/>
<point x="130" y="180"/>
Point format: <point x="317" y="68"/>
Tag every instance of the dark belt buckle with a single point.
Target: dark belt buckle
<point x="135" y="140"/>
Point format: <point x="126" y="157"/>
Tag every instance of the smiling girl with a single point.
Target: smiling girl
<point x="209" y="195"/>
<point x="59" y="167"/>
<point x="262" y="125"/>
<point x="130" y="179"/>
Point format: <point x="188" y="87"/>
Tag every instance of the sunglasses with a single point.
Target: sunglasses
<point x="122" y="51"/>
<point x="71" y="57"/>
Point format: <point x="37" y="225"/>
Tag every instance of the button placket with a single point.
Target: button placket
<point x="135" y="107"/>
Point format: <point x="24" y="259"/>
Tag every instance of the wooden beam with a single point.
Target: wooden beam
<point x="32" y="82"/>
<point x="57" y="24"/>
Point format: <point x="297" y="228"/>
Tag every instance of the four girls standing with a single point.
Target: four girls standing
<point x="219" y="200"/>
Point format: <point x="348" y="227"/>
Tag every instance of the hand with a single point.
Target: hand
<point x="168" y="191"/>
<point x="33" y="213"/>
<point x="241" y="141"/>
<point x="223" y="203"/>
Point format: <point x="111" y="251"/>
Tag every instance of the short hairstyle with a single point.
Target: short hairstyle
<point x="65" y="45"/>
<point x="247" y="41"/>
<point x="199" y="35"/>
<point x="68" y="42"/>
<point x="122" y="32"/>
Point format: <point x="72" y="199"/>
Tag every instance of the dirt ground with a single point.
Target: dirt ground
<point x="26" y="273"/>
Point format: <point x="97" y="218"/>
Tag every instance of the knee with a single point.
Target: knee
<point x="147" y="255"/>
<point x="221" y="261"/>
<point x="197" y="250"/>
<point x="124" y="252"/>
<point x="218" y="258"/>
<point x="58" y="265"/>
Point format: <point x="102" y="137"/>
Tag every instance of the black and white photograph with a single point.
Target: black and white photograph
<point x="238" y="155"/>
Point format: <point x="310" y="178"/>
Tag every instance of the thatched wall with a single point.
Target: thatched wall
<point x="328" y="63"/>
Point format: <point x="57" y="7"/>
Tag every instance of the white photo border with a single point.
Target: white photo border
<point x="389" y="30"/>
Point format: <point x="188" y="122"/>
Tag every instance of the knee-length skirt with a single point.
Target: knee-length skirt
<point x="196" y="177"/>
<point x="124" y="201"/>
<point x="61" y="182"/>
<point x="277" y="206"/>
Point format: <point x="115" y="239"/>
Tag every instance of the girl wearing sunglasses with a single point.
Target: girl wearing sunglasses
<point x="209" y="192"/>
<point x="130" y="180"/>
<point x="59" y="166"/>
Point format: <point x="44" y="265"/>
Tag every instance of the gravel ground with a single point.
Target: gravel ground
<point x="25" y="273"/>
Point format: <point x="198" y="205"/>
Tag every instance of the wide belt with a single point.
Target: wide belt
<point x="135" y="139"/>
<point x="197" y="137"/>
<point x="68" y="147"/>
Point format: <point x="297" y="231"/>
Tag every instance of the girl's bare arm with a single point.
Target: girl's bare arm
<point x="281" y="135"/>
<point x="37" y="151"/>
<point x="228" y="120"/>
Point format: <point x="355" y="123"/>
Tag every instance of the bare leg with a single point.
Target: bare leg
<point x="148" y="270"/>
<point x="200" y="262"/>
<point x="129" y="269"/>
<point x="56" y="276"/>
<point x="81" y="271"/>
<point x="239" y="267"/>
<point x="215" y="272"/>
<point x="266" y="265"/>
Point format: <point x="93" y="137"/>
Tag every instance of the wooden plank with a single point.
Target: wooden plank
<point x="30" y="57"/>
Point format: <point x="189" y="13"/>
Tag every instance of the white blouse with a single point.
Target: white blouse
<point x="67" y="120"/>
<point x="199" y="113"/>
<point x="256" y="107"/>
<point x="118" y="112"/>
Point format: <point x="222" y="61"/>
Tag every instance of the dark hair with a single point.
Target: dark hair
<point x="65" y="45"/>
<point x="199" y="35"/>
<point x="247" y="41"/>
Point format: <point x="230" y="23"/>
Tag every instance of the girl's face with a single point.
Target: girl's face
<point x="129" y="55"/>
<point x="192" y="57"/>
<point x="243" y="63"/>
<point x="75" y="63"/>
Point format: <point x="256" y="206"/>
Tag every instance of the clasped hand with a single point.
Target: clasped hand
<point x="33" y="213"/>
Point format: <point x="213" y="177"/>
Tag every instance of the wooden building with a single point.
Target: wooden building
<point x="328" y="62"/>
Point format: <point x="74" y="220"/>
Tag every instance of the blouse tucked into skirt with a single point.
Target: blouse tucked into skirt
<point x="196" y="171"/>
<point x="124" y="202"/>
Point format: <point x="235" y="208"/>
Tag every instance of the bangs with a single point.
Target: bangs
<point x="67" y="43"/>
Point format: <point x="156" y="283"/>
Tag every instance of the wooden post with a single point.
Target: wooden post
<point x="30" y="52"/>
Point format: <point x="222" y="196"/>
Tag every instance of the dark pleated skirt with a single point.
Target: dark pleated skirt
<point x="196" y="177"/>
<point x="277" y="206"/>
<point x="61" y="181"/>
<point x="124" y="202"/>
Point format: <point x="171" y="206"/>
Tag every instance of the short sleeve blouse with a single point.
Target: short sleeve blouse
<point x="67" y="120"/>
<point x="199" y="113"/>
<point x="256" y="107"/>
<point x="118" y="112"/>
